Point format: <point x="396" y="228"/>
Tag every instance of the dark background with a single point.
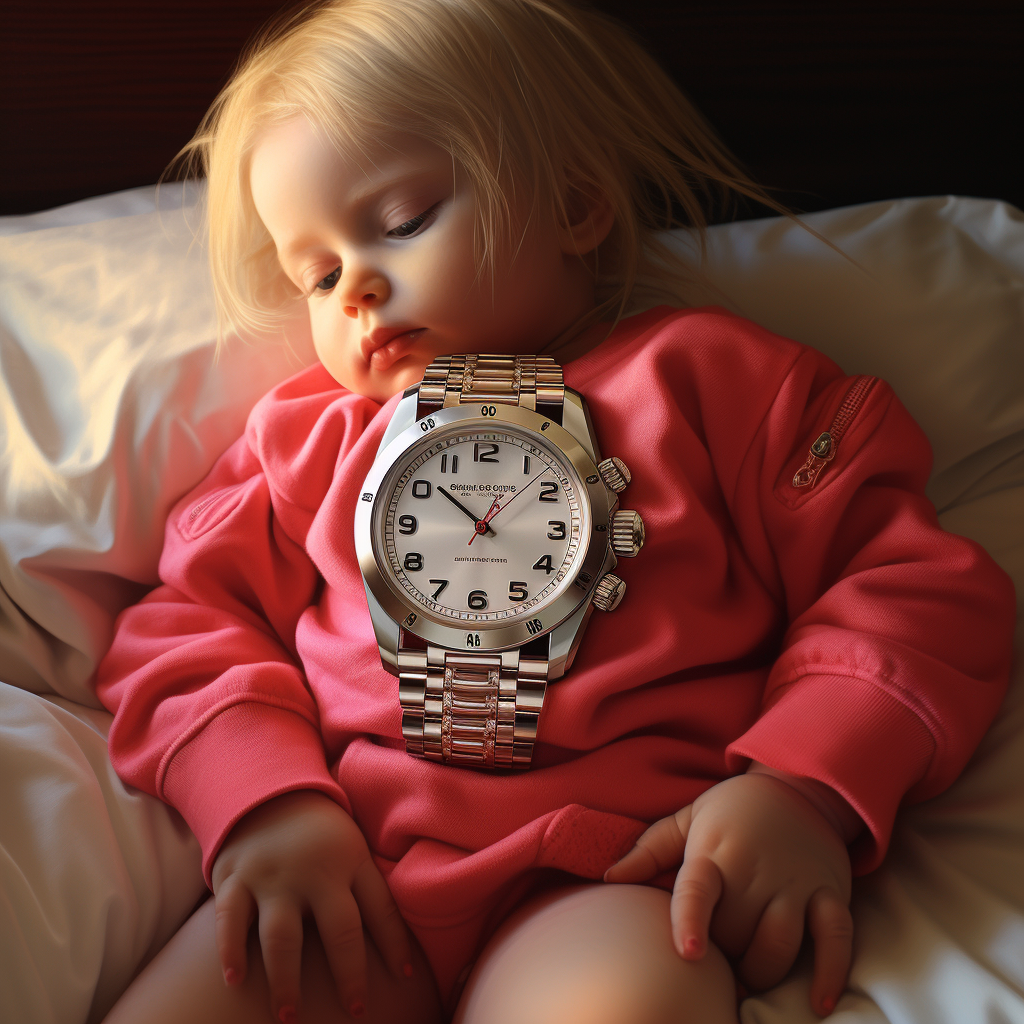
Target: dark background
<point x="831" y="103"/>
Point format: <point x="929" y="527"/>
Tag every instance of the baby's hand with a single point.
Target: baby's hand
<point x="301" y="854"/>
<point x="760" y="860"/>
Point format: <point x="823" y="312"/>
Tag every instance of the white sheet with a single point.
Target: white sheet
<point x="111" y="405"/>
<point x="94" y="877"/>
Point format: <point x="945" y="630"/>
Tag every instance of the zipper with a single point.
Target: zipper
<point x="823" y="451"/>
<point x="198" y="508"/>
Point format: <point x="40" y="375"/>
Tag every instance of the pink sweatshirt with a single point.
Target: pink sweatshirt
<point x="831" y="631"/>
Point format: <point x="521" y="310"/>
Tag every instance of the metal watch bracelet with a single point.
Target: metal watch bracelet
<point x="459" y="707"/>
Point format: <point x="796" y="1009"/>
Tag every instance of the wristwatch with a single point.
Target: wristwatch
<point x="486" y="531"/>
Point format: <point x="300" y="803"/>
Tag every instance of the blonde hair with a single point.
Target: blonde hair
<point x="537" y="99"/>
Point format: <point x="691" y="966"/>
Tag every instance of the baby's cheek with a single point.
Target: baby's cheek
<point x="332" y="335"/>
<point x="443" y="275"/>
<point x="319" y="325"/>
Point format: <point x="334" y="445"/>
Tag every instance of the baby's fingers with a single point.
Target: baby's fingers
<point x="658" y="849"/>
<point x="234" y="913"/>
<point x="341" y="932"/>
<point x="831" y="925"/>
<point x="698" y="888"/>
<point x="383" y="919"/>
<point x="775" y="944"/>
<point x="281" y="941"/>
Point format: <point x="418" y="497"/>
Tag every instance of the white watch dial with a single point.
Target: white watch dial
<point x="527" y="495"/>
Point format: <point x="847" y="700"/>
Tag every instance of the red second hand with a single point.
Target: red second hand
<point x="481" y="526"/>
<point x="496" y="508"/>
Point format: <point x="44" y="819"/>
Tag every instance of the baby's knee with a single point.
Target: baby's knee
<point x="633" y="993"/>
<point x="638" y="986"/>
<point x="596" y="955"/>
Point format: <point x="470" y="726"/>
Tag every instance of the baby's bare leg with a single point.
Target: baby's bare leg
<point x="595" y="954"/>
<point x="184" y="985"/>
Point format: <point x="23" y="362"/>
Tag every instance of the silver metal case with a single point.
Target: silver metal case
<point x="565" y="615"/>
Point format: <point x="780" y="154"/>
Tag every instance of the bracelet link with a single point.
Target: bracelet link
<point x="479" y="710"/>
<point x="466" y="378"/>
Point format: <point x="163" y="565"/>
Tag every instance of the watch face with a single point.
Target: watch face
<point x="481" y="525"/>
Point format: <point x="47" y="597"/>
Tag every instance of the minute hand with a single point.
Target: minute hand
<point x="458" y="504"/>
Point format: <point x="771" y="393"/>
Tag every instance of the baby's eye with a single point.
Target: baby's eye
<point x="330" y="280"/>
<point x="410" y="227"/>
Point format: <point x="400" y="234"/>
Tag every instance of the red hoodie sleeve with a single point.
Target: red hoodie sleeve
<point x="212" y="711"/>
<point x="899" y="640"/>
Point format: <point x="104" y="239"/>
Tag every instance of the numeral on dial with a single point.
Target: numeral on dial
<point x="544" y="562"/>
<point x="477" y="600"/>
<point x="421" y="488"/>
<point x="407" y="525"/>
<point x="559" y="530"/>
<point x="413" y="561"/>
<point x="548" y="490"/>
<point x="441" y="584"/>
<point x="517" y="592"/>
<point x="444" y="463"/>
<point x="484" y="452"/>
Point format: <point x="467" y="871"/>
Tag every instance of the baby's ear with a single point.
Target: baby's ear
<point x="590" y="217"/>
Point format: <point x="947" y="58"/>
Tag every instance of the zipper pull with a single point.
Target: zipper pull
<point x="822" y="451"/>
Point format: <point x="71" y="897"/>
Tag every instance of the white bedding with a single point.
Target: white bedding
<point x="111" y="405"/>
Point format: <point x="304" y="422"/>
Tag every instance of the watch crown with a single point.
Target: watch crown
<point x="627" y="532"/>
<point x="614" y="473"/>
<point x="608" y="593"/>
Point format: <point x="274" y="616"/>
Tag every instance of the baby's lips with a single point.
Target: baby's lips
<point x="388" y="354"/>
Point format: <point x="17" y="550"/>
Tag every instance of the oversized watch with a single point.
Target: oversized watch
<point x="486" y="531"/>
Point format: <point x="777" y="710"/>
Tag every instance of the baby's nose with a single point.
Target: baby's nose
<point x="367" y="293"/>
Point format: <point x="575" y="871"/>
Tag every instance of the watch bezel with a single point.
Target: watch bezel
<point x="483" y="635"/>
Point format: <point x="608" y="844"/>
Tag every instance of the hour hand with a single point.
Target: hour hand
<point x="458" y="504"/>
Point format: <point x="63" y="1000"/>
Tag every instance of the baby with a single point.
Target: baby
<point x="800" y="649"/>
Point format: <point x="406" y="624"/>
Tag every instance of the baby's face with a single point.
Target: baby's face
<point x="381" y="243"/>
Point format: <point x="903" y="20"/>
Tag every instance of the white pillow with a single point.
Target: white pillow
<point x="112" y="405"/>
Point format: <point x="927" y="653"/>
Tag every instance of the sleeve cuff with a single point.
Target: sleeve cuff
<point x="246" y="755"/>
<point x="828" y="803"/>
<point x="852" y="735"/>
